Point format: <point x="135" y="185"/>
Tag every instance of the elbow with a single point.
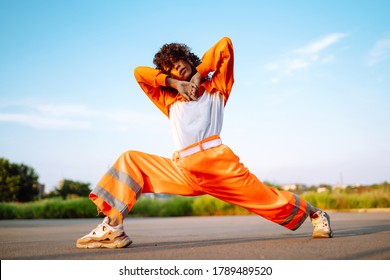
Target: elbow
<point x="227" y="40"/>
<point x="140" y="72"/>
<point x="137" y="71"/>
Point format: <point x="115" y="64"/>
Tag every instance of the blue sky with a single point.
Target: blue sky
<point x="310" y="104"/>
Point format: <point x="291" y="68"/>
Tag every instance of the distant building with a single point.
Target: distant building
<point x="322" y="189"/>
<point x="294" y="187"/>
<point x="41" y="190"/>
<point x="340" y="186"/>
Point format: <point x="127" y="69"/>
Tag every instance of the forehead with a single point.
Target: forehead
<point x="171" y="63"/>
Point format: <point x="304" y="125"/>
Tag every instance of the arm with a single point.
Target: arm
<point x="155" y="84"/>
<point x="152" y="82"/>
<point x="220" y="60"/>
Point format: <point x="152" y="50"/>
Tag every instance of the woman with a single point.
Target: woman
<point x="192" y="93"/>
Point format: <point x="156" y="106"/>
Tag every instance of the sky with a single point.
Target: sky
<point x="310" y="103"/>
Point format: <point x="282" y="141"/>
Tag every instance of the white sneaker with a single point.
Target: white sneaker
<point x="321" y="223"/>
<point x="104" y="236"/>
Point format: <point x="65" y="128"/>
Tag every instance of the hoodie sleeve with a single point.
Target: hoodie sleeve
<point x="152" y="82"/>
<point x="219" y="60"/>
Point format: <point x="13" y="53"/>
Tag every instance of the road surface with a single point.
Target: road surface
<point x="357" y="236"/>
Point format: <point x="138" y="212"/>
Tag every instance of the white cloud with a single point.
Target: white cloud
<point x="296" y="64"/>
<point x="328" y="59"/>
<point x="273" y="66"/>
<point x="304" y="57"/>
<point x="76" y="117"/>
<point x="380" y="52"/>
<point x="42" y="121"/>
<point x="66" y="110"/>
<point x="317" y="46"/>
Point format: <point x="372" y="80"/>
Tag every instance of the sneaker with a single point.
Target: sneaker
<point x="321" y="223"/>
<point x="104" y="236"/>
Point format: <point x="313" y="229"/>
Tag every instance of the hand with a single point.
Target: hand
<point x="196" y="79"/>
<point x="188" y="90"/>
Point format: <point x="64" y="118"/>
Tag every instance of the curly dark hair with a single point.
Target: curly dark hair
<point x="171" y="53"/>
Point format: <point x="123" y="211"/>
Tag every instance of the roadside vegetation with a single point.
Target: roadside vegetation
<point x="21" y="197"/>
<point x="173" y="206"/>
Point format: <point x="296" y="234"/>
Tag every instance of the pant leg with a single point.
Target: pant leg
<point x="134" y="173"/>
<point x="220" y="174"/>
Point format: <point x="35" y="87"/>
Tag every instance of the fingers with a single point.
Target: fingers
<point x="186" y="97"/>
<point x="193" y="94"/>
<point x="189" y="91"/>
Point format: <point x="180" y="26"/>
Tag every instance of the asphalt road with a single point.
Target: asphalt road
<point x="357" y="236"/>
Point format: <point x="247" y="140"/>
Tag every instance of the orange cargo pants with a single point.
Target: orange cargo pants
<point x="216" y="171"/>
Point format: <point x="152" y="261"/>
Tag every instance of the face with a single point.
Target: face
<point x="181" y="70"/>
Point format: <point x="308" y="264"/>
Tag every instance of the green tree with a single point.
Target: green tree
<point x="18" y="182"/>
<point x="68" y="187"/>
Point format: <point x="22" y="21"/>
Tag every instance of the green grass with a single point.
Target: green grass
<point x="175" y="206"/>
<point x="49" y="209"/>
<point x="210" y="206"/>
<point x="341" y="201"/>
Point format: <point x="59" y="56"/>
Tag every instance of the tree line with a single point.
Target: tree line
<point x="20" y="183"/>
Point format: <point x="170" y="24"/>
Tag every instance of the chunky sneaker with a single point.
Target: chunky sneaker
<point x="321" y="223"/>
<point x="104" y="236"/>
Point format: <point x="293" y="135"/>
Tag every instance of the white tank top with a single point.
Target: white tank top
<point x="193" y="121"/>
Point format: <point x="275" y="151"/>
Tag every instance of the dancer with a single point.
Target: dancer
<point x="192" y="93"/>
